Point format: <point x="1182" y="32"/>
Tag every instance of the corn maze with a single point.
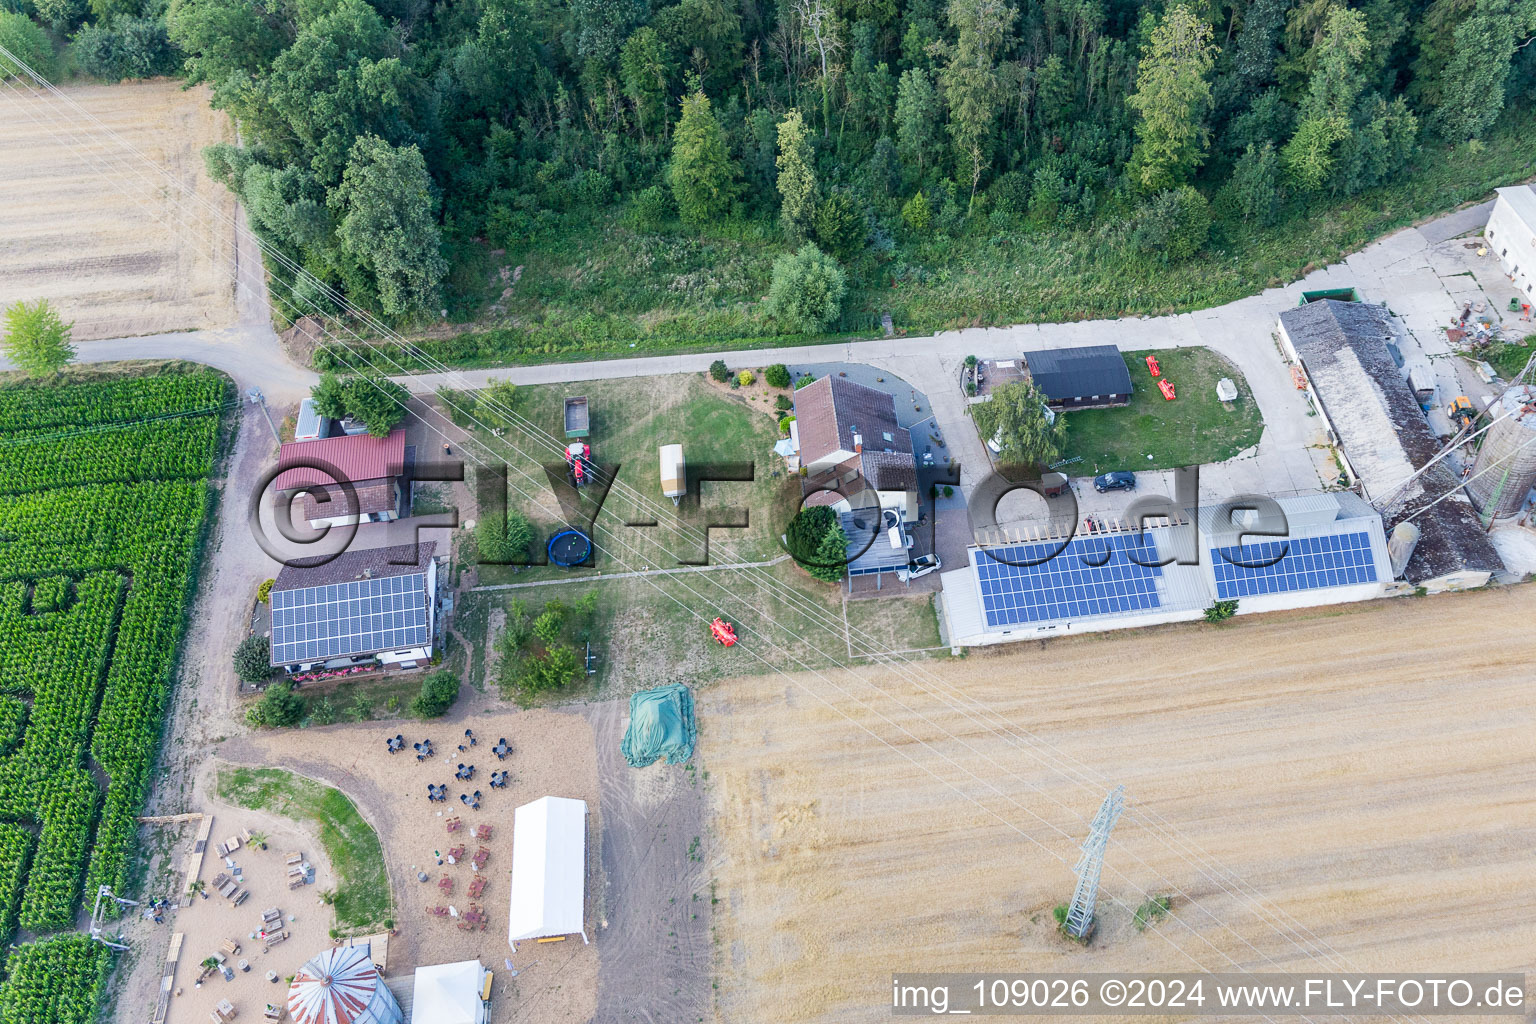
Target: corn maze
<point x="104" y="494"/>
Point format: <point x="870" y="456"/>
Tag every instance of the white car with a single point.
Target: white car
<point x="920" y="566"/>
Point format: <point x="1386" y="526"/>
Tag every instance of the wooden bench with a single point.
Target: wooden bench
<point x="293" y="857"/>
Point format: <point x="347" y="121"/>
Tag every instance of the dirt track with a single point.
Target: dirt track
<point x="114" y="265"/>
<point x="1365" y="773"/>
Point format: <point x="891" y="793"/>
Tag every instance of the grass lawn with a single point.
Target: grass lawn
<point x="1192" y="429"/>
<point x="654" y="631"/>
<point x="363" y="901"/>
<point x="631" y="419"/>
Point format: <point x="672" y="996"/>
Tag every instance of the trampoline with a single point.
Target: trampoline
<point x="570" y="548"/>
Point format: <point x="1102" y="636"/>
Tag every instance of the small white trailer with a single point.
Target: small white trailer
<point x="674" y="474"/>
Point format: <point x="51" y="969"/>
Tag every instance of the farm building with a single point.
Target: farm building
<point x="1511" y="233"/>
<point x="313" y="473"/>
<point x="1080" y="378"/>
<point x="844" y="433"/>
<point x="549" y="869"/>
<point x="1332" y="551"/>
<point x="342" y="986"/>
<point x="1372" y="414"/>
<point x="363" y="606"/>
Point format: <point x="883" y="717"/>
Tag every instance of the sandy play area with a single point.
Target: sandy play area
<point x="206" y="923"/>
<point x="1335" y="789"/>
<point x="116" y="263"/>
<point x="552" y="754"/>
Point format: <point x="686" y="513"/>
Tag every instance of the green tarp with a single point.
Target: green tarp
<point x="660" y="725"/>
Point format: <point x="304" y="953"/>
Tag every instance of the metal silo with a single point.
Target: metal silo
<point x="1506" y="464"/>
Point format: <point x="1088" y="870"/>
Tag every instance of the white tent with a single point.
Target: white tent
<point x="549" y="869"/>
<point x="449" y="994"/>
<point x="341" y="986"/>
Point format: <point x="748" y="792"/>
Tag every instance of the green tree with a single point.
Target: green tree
<point x="224" y="37"/>
<point x="1017" y="412"/>
<point x="972" y="88"/>
<point x="917" y="121"/>
<point x="36" y="338"/>
<point x="378" y="402"/>
<point x="645" y="67"/>
<point x="1473" y="86"/>
<point x="1255" y="184"/>
<point x="1172" y="101"/>
<point x="709" y="31"/>
<point x="1309" y="156"/>
<point x="23" y="37"/>
<point x="777" y="376"/>
<point x="840" y="225"/>
<point x="388" y="223"/>
<point x="703" y="173"/>
<point x="917" y="214"/>
<point x="831" y="559"/>
<point x="807" y="290"/>
<point x="438" y="692"/>
<point x="802" y="537"/>
<point x="503" y="539"/>
<point x="1338" y="67"/>
<point x="796" y="179"/>
<point x="251" y="660"/>
<point x="550" y="624"/>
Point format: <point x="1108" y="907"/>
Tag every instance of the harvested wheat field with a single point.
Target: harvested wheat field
<point x="1336" y="789"/>
<point x="89" y="226"/>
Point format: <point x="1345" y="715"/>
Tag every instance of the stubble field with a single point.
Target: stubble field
<point x="117" y="264"/>
<point x="1328" y="790"/>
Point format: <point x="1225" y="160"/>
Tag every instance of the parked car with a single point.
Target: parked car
<point x="919" y="566"/>
<point x="1122" y="480"/>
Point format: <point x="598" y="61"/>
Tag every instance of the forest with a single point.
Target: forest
<point x="699" y="172"/>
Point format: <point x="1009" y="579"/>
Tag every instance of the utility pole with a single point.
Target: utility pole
<point x="1079" y="921"/>
<point x="256" y="399"/>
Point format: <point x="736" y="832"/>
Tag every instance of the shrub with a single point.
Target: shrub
<point x="323" y="711"/>
<point x="251" y="662"/>
<point x="503" y="539"/>
<point x="784" y="425"/>
<point x="1174" y="225"/>
<point x="264" y="592"/>
<point x="807" y="291"/>
<point x="803" y="381"/>
<point x="438" y="692"/>
<point x="651" y="208"/>
<point x="278" y="708"/>
<point x="594" y="188"/>
<point x="783" y="403"/>
<point x="1221" y="611"/>
<point x="777" y="376"/>
<point x="745" y="378"/>
<point x="720" y="371"/>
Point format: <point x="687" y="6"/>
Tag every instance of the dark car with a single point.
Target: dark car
<point x="1119" y="481"/>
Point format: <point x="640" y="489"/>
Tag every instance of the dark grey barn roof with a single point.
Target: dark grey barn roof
<point x="1063" y="373"/>
<point x="1321" y="331"/>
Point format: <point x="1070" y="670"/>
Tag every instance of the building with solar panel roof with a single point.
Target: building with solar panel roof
<point x="1332" y="551"/>
<point x="373" y="605"/>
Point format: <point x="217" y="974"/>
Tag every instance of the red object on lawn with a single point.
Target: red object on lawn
<point x="1157" y="371"/>
<point x="1166" y="387"/>
<point x="723" y="632"/>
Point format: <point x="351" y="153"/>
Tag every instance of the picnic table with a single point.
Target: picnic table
<point x="453" y="824"/>
<point x="482" y="831"/>
<point x="481" y="856"/>
<point x="477" y="887"/>
<point x="502" y="749"/>
<point x="456" y="852"/>
<point x="446" y="885"/>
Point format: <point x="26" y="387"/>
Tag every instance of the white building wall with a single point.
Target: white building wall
<point x="1511" y="234"/>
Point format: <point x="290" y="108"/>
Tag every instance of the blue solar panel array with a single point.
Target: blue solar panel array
<point x="1070" y="585"/>
<point x="358" y="617"/>
<point x="1306" y="564"/>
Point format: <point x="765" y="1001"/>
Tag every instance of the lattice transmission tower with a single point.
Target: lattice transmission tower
<point x="1080" y="913"/>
